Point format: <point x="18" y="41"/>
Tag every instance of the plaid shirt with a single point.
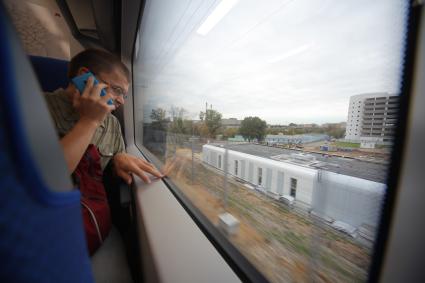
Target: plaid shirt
<point x="107" y="138"/>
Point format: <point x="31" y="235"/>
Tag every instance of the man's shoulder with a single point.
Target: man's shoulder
<point x="61" y="110"/>
<point x="58" y="95"/>
<point x="112" y="121"/>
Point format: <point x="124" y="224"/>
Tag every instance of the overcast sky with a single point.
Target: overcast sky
<point x="284" y="61"/>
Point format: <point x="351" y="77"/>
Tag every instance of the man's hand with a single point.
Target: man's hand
<point x="92" y="107"/>
<point x="126" y="164"/>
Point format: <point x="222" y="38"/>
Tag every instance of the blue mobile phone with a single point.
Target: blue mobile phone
<point x="80" y="83"/>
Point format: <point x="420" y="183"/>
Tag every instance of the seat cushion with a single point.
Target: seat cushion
<point x="109" y="263"/>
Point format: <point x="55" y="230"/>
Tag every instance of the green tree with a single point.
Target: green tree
<point x="159" y="120"/>
<point x="158" y="114"/>
<point x="230" y="132"/>
<point x="212" y="121"/>
<point x="335" y="131"/>
<point x="253" y="128"/>
<point x="178" y="124"/>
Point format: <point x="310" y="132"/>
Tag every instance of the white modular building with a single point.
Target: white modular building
<point x="349" y="199"/>
<point x="274" y="176"/>
<point x="330" y="195"/>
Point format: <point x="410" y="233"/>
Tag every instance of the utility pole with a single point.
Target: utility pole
<point x="226" y="168"/>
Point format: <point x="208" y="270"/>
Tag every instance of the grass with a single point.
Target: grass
<point x="333" y="264"/>
<point x="271" y="225"/>
<point x="298" y="243"/>
<point x="347" y="144"/>
<point x="383" y="146"/>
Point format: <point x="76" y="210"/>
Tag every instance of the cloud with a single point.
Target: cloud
<point x="287" y="61"/>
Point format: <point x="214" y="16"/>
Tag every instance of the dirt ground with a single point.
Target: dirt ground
<point x="283" y="245"/>
<point x="379" y="155"/>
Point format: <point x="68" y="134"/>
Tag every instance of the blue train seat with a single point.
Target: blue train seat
<point x="51" y="73"/>
<point x="41" y="231"/>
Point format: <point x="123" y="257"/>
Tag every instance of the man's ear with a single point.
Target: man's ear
<point x="82" y="70"/>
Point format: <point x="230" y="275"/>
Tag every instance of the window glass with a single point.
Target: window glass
<point x="293" y="187"/>
<point x="246" y="85"/>
<point x="260" y="176"/>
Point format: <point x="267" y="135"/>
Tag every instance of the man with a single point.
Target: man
<point x="85" y="118"/>
<point x="91" y="136"/>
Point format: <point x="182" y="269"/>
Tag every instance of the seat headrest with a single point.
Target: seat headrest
<point x="51" y="73"/>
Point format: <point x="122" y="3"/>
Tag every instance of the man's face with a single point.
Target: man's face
<point x="117" y="85"/>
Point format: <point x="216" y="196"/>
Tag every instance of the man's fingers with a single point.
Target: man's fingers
<point x="76" y="99"/>
<point x="146" y="163"/>
<point x="97" y="89"/>
<point x="149" y="168"/>
<point x="139" y="172"/>
<point x="106" y="98"/>
<point x="126" y="164"/>
<point x="88" y="87"/>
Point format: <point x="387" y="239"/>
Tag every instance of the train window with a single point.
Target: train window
<point x="274" y="84"/>
<point x="260" y="176"/>
<point x="293" y="192"/>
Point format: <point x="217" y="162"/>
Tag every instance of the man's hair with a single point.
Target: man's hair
<point x="97" y="61"/>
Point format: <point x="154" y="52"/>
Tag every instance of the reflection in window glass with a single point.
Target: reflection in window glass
<point x="260" y="176"/>
<point x="275" y="86"/>
<point x="293" y="187"/>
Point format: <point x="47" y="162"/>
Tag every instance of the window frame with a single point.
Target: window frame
<point x="242" y="267"/>
<point x="400" y="133"/>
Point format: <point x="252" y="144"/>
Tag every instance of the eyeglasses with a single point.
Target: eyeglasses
<point x="116" y="90"/>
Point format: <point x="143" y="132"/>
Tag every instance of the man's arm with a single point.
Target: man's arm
<point x="75" y="143"/>
<point x="92" y="109"/>
<point x="126" y="165"/>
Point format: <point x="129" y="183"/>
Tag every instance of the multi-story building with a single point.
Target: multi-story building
<point x="230" y="123"/>
<point x="372" y="117"/>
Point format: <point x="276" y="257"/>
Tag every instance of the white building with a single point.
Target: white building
<point x="371" y="118"/>
<point x="339" y="197"/>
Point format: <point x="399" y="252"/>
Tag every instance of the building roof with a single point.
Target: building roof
<point x="303" y="138"/>
<point x="231" y="122"/>
<point x="373" y="94"/>
<point x="346" y="166"/>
